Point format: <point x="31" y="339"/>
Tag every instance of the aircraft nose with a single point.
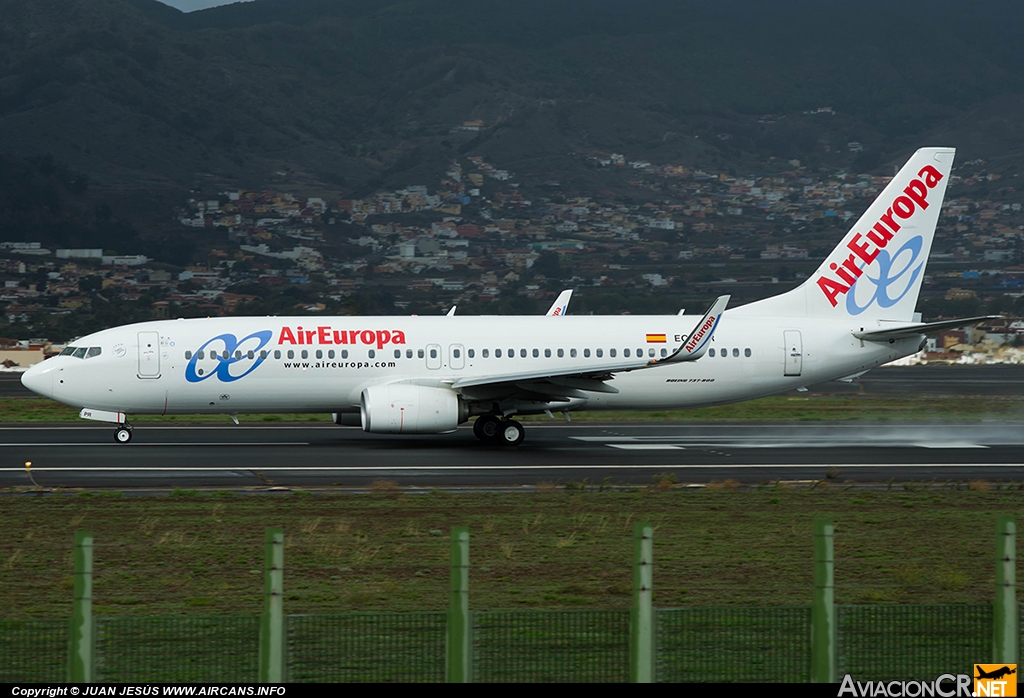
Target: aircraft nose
<point x="38" y="380"/>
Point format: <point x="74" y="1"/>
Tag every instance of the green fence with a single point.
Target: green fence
<point x="913" y="642"/>
<point x="133" y="650"/>
<point x="549" y="646"/>
<point x="733" y="644"/>
<point x="33" y="650"/>
<point x="366" y="647"/>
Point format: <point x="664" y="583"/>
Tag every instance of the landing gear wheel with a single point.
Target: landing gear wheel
<point x="123" y="435"/>
<point x="486" y="428"/>
<point x="512" y="433"/>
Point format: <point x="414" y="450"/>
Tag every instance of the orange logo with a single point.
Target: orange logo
<point x="995" y="680"/>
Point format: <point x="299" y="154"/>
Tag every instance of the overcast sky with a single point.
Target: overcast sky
<point x="190" y="5"/>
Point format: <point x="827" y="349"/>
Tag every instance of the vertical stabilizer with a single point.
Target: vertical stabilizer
<point x="876" y="272"/>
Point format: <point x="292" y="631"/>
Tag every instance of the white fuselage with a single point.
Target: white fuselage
<point x="180" y="366"/>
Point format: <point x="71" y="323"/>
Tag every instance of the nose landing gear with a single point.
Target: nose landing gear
<point x="123" y="434"/>
<point x="505" y="432"/>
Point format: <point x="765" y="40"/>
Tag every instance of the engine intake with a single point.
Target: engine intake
<point x="400" y="408"/>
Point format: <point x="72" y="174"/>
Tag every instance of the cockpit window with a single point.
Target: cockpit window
<point x="68" y="351"/>
<point x="80" y="352"/>
<point x="93" y="351"/>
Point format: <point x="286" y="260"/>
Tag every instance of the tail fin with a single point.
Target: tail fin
<point x="561" y="303"/>
<point x="877" y="270"/>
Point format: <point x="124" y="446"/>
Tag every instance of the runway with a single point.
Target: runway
<point x="261" y="457"/>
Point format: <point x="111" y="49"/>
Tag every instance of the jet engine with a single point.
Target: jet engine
<point x="401" y="408"/>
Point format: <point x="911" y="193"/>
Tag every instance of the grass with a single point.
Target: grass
<point x="202" y="553"/>
<point x="816" y="408"/>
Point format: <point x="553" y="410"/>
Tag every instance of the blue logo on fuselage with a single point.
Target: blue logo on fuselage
<point x="227" y="350"/>
<point x="886" y="278"/>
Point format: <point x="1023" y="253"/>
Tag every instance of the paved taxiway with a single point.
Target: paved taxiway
<point x="322" y="456"/>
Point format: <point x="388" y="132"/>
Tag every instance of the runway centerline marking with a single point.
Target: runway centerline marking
<point x="469" y="468"/>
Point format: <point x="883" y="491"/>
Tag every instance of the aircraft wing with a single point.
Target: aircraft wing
<point x="576" y="383"/>
<point x="561" y="303"/>
<point x="919" y="328"/>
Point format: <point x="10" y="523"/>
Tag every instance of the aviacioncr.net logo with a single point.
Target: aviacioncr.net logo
<point x="889" y="287"/>
<point x="227" y="350"/>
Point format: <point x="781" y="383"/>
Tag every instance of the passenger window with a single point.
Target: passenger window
<point x="238" y="354"/>
<point x="319" y="353"/>
<point x="330" y="353"/>
<point x="80" y="352"/>
<point x="225" y="355"/>
<point x="664" y="353"/>
<point x="251" y="355"/>
<point x="433" y="353"/>
<point x="305" y="353"/>
<point x="408" y="353"/>
<point x="536" y="353"/>
<point x="277" y="354"/>
<point x="711" y="353"/>
<point x="625" y="352"/>
<point x="746" y="352"/>
<point x="456" y="353"/>
<point x="291" y="353"/>
<point x="372" y="353"/>
<point x="398" y="353"/>
<point x="736" y="352"/>
<point x="486" y="353"/>
<point x="639" y="353"/>
<point x="201" y="354"/>
<point x="188" y="355"/>
<point x="650" y="352"/>
<point x="572" y="353"/>
<point x="344" y="353"/>
<point x="511" y="353"/>
<point x="471" y="353"/>
<point x="611" y="353"/>
<point x="561" y="353"/>
<point x="497" y="353"/>
<point x="586" y="353"/>
<point x="419" y="353"/>
<point x="725" y="352"/>
<point x="547" y="353"/>
<point x="263" y="354"/>
<point x="599" y="352"/>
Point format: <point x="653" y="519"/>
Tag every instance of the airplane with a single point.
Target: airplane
<point x="427" y="375"/>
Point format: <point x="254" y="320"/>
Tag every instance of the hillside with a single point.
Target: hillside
<point x="351" y="95"/>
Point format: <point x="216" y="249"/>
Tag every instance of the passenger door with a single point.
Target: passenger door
<point x="433" y="356"/>
<point x="149" y="354"/>
<point x="457" y="357"/>
<point x="794" y="352"/>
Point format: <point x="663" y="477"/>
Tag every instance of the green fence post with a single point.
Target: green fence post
<point x="1004" y="607"/>
<point x="272" y="620"/>
<point x="458" y="657"/>
<point x="641" y="615"/>
<point x="80" y="646"/>
<point x="823" y="610"/>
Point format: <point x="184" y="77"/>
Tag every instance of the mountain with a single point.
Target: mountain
<point x="353" y="94"/>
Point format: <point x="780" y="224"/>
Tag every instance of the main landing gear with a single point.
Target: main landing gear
<point x="123" y="434"/>
<point x="505" y="432"/>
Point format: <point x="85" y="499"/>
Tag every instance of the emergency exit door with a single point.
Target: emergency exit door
<point x="794" y="352"/>
<point x="149" y="354"/>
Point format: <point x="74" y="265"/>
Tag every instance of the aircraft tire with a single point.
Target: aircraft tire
<point x="511" y="433"/>
<point x="487" y="428"/>
<point x="123" y="435"/>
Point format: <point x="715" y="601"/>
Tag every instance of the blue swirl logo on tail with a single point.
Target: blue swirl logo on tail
<point x="227" y="350"/>
<point x="887" y="278"/>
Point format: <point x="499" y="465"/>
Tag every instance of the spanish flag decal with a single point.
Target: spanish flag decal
<point x="656" y="338"/>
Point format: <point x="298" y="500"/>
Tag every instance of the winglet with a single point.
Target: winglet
<point x="698" y="341"/>
<point x="561" y="304"/>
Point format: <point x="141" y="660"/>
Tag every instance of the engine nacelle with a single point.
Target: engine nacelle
<point x="347" y="419"/>
<point x="400" y="408"/>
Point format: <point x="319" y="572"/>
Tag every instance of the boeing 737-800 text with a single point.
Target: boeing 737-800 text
<point x="424" y="375"/>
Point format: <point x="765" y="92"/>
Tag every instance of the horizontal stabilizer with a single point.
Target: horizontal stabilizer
<point x="919" y="328"/>
<point x="699" y="340"/>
